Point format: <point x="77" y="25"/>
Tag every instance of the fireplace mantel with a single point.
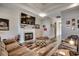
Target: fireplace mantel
<point x="26" y="30"/>
<point x="28" y="36"/>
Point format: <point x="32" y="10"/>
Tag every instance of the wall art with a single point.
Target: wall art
<point x="4" y="24"/>
<point x="37" y="26"/>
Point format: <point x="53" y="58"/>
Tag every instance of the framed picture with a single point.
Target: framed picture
<point x="44" y="26"/>
<point x="4" y="24"/>
<point x="73" y="24"/>
<point x="78" y="21"/>
<point x="37" y="26"/>
<point x="78" y="26"/>
<point x="68" y="22"/>
<point x="73" y="20"/>
<point x="45" y="29"/>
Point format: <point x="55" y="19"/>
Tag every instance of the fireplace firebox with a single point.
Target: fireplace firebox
<point x="28" y="36"/>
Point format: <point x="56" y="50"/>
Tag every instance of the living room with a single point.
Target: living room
<point x="38" y="30"/>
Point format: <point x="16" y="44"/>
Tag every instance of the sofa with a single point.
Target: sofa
<point x="10" y="47"/>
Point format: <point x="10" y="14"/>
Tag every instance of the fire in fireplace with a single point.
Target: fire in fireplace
<point x="28" y="36"/>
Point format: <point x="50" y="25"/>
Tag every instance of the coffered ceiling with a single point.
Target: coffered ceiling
<point x="45" y="7"/>
<point x="48" y="8"/>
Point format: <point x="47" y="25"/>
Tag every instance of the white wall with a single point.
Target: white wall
<point x="38" y="32"/>
<point x="14" y="17"/>
<point x="69" y="15"/>
<point x="28" y="28"/>
<point x="50" y="29"/>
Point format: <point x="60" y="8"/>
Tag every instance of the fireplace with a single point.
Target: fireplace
<point x="28" y="36"/>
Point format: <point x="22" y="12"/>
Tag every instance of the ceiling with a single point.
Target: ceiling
<point x="45" y="7"/>
<point x="48" y="8"/>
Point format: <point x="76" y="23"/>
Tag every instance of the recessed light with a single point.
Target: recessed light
<point x="42" y="14"/>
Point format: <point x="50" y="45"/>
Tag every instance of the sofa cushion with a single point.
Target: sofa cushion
<point x="18" y="51"/>
<point x="3" y="52"/>
<point x="12" y="46"/>
<point x="8" y="41"/>
<point x="2" y="44"/>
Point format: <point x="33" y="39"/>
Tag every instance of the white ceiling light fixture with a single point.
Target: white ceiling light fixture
<point x="42" y="14"/>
